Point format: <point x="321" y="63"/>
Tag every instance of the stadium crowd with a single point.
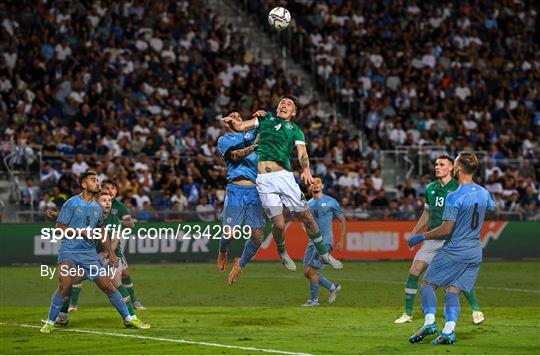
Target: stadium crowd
<point x="136" y="89"/>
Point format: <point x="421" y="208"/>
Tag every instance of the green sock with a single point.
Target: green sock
<point x="471" y="298"/>
<point x="125" y="294"/>
<point x="65" y="307"/>
<point x="411" y="287"/>
<point x="280" y="241"/>
<point x="316" y="238"/>
<point x="129" y="286"/>
<point x="76" y="290"/>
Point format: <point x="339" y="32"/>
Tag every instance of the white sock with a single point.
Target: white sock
<point x="449" y="327"/>
<point x="429" y="319"/>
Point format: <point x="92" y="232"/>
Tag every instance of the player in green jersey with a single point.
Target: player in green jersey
<point x="279" y="137"/>
<point x="122" y="212"/>
<point x="435" y="195"/>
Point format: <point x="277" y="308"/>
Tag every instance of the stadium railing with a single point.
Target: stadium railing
<point x="30" y="216"/>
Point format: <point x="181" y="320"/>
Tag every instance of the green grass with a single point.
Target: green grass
<point x="193" y="302"/>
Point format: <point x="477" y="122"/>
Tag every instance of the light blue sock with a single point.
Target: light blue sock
<point x="323" y="281"/>
<point x="56" y="305"/>
<point x="224" y="244"/>
<point x="119" y="303"/>
<point x="451" y="307"/>
<point x="250" y="249"/>
<point x="314" y="290"/>
<point x="429" y="300"/>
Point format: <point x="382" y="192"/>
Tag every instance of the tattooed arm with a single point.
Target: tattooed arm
<point x="237" y="155"/>
<point x="303" y="158"/>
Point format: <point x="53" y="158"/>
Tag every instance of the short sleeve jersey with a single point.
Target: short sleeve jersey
<point x="277" y="140"/>
<point x="435" y="195"/>
<point x="77" y="213"/>
<point x="325" y="210"/>
<point x="467" y="207"/>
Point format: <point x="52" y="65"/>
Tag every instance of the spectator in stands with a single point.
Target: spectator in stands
<point x="45" y="203"/>
<point x="205" y="211"/>
<point x="30" y="194"/>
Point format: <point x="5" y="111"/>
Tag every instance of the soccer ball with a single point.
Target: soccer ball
<point x="279" y="18"/>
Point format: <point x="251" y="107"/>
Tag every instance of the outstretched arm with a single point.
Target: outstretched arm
<point x="240" y="126"/>
<point x="234" y="120"/>
<point x="237" y="155"/>
<point x="442" y="231"/>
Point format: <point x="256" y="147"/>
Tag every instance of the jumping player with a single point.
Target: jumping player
<point x="275" y="181"/>
<point x="242" y="203"/>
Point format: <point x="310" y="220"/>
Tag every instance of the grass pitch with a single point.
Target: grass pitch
<point x="193" y="311"/>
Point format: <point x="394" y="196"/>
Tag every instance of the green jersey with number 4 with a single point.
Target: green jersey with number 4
<point x="435" y="195"/>
<point x="277" y="140"/>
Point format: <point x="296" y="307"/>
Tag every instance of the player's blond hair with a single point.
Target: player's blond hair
<point x="468" y="162"/>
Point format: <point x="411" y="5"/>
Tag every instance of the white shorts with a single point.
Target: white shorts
<point x="428" y="250"/>
<point x="277" y="189"/>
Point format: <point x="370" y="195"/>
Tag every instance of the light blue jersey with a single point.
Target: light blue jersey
<point x="467" y="207"/>
<point x="325" y="210"/>
<point x="77" y="213"/>
<point x="246" y="167"/>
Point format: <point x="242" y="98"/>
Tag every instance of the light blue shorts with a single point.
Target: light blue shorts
<point x="243" y="207"/>
<point x="312" y="257"/>
<point x="444" y="272"/>
<point x="88" y="260"/>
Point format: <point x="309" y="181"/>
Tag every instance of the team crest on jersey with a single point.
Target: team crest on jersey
<point x="114" y="211"/>
<point x="229" y="219"/>
<point x="323" y="205"/>
<point x="247" y="136"/>
<point x="289" y="126"/>
<point x="95" y="214"/>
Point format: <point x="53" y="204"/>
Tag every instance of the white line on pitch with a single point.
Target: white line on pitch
<point x="396" y="282"/>
<point x="179" y="341"/>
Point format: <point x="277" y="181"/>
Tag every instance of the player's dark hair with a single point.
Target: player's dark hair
<point x="111" y="182"/>
<point x="86" y="174"/>
<point x="318" y="177"/>
<point x="468" y="162"/>
<point x="293" y="99"/>
<point x="446" y="157"/>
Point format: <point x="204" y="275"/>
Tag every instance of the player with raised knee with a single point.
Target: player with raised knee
<point x="276" y="185"/>
<point x="435" y="195"/>
<point x="325" y="209"/>
<point x="80" y="213"/>
<point x="242" y="203"/>
<point x="456" y="266"/>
